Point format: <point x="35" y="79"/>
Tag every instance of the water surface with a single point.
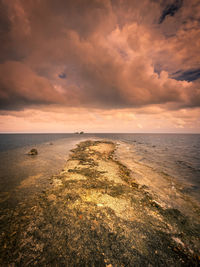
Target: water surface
<point x="176" y="155"/>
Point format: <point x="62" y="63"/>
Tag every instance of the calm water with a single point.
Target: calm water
<point x="176" y="155"/>
<point x="16" y="165"/>
<point x="13" y="141"/>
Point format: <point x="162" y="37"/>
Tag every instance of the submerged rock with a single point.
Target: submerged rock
<point x="33" y="152"/>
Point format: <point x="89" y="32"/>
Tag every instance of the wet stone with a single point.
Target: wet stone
<point x="33" y="152"/>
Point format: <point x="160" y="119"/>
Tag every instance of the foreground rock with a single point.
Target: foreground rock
<point x="33" y="152"/>
<point x="95" y="214"/>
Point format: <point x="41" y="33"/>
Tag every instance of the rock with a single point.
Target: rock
<point x="79" y="132"/>
<point x="33" y="151"/>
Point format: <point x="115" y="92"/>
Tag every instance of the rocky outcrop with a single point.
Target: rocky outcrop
<point x="96" y="214"/>
<point x="33" y="152"/>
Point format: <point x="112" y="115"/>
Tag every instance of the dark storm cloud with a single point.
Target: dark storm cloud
<point x="20" y="87"/>
<point x="5" y="27"/>
<point x="99" y="53"/>
<point x="84" y="17"/>
<point x="170" y="10"/>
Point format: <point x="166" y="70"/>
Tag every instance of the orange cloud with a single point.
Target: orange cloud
<point x="147" y="119"/>
<point x="99" y="55"/>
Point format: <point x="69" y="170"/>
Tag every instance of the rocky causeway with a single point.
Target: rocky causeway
<point x="94" y="213"/>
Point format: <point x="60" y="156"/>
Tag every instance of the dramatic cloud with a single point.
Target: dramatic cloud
<point x="19" y="85"/>
<point x="100" y="54"/>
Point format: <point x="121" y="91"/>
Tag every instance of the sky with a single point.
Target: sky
<point x="100" y="66"/>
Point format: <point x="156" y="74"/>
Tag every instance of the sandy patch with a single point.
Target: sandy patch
<point x="110" y="169"/>
<point x="74" y="176"/>
<point x="102" y="148"/>
<point x="30" y="181"/>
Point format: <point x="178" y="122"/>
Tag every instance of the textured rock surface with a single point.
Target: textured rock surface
<point x="95" y="214"/>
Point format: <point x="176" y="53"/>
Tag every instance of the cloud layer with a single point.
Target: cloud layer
<point x="99" y="54"/>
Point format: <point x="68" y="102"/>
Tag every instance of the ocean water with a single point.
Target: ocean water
<point x="22" y="175"/>
<point x="13" y="141"/>
<point x="175" y="155"/>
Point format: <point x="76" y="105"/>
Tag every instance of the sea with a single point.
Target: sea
<point x="175" y="156"/>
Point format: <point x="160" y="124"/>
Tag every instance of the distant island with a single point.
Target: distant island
<point x="79" y="132"/>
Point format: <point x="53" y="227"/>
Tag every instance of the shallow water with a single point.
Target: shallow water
<point x="176" y="156"/>
<point x="22" y="175"/>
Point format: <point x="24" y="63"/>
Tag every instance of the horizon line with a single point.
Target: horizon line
<point x="100" y="133"/>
